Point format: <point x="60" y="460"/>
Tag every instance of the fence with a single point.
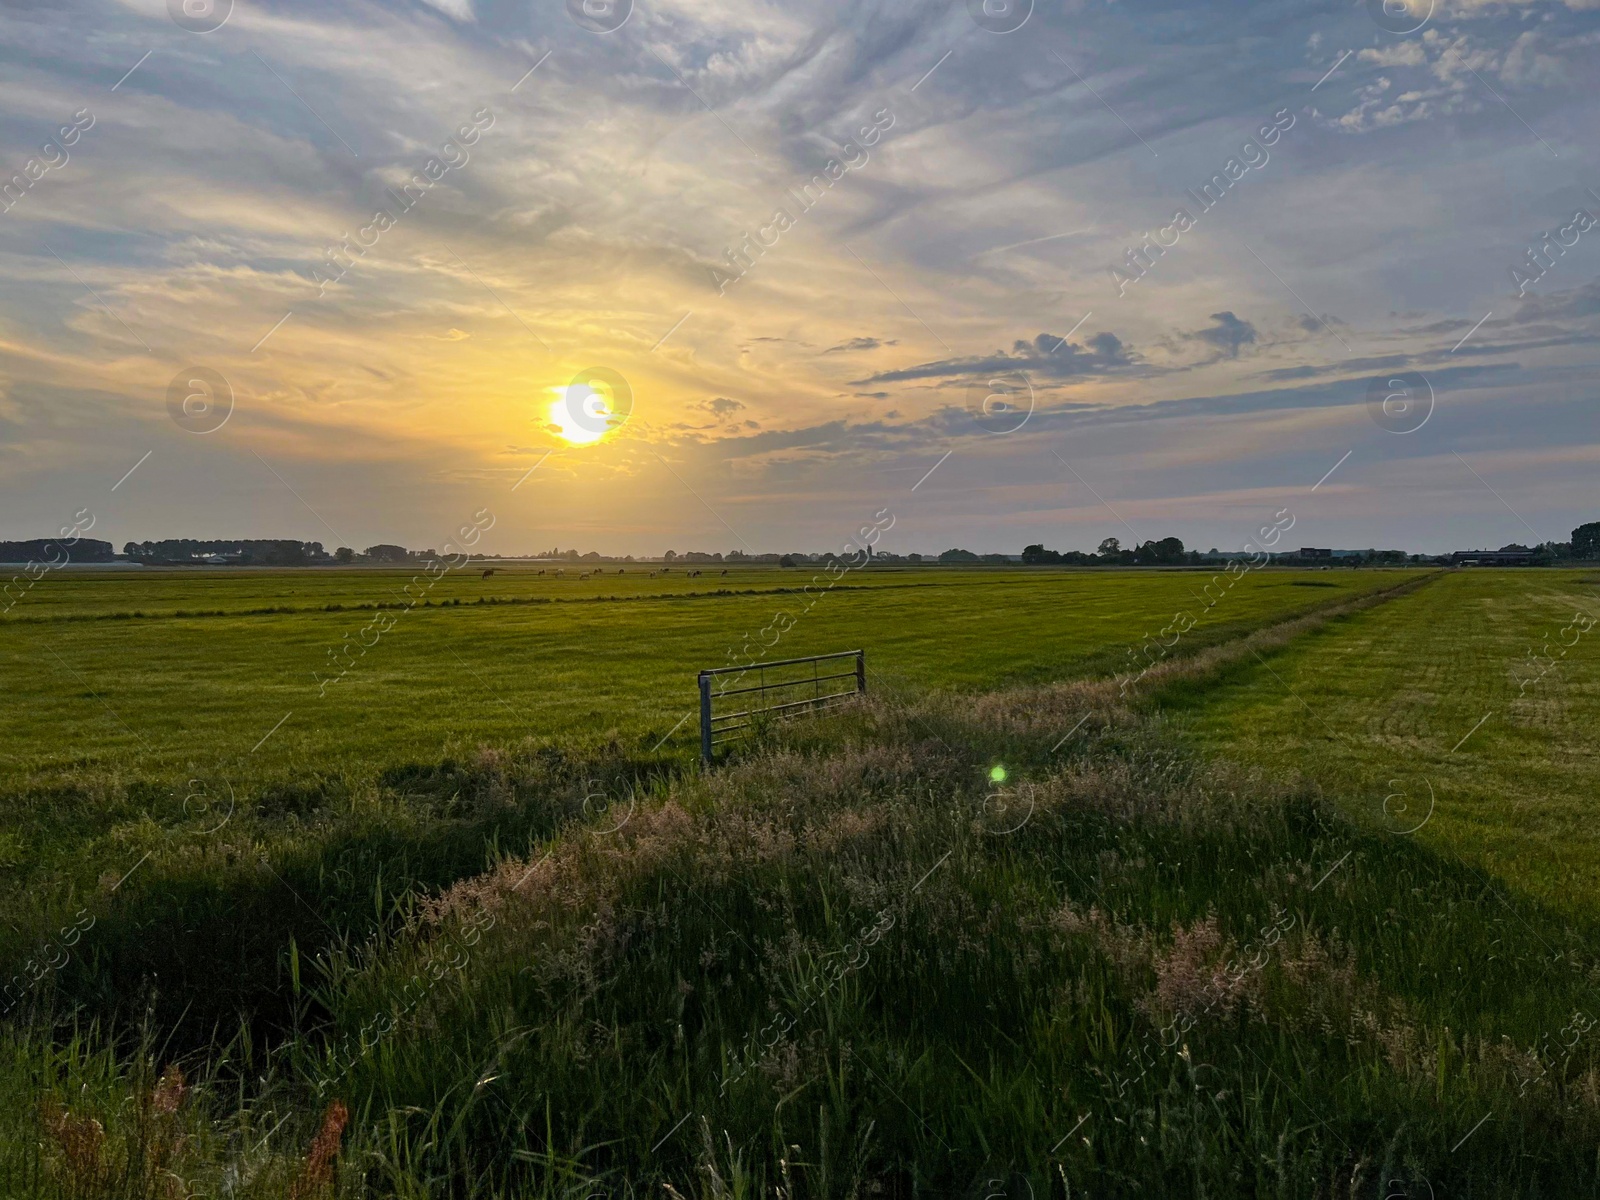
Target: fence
<point x="717" y="729"/>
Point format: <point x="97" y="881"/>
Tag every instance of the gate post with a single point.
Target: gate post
<point x="705" y="715"/>
<point x="861" y="671"/>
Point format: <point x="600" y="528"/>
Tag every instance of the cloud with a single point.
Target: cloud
<point x="1397" y="54"/>
<point x="1580" y="302"/>
<point x="1228" y="334"/>
<point x="461" y="10"/>
<point x="1049" y="356"/>
<point x="579" y="231"/>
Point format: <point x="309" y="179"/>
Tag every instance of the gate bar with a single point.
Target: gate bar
<point x="708" y="722"/>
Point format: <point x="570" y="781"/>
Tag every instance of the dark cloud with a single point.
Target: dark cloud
<point x="1386" y="362"/>
<point x="721" y="406"/>
<point x="1581" y="302"/>
<point x="877" y="439"/>
<point x="860" y="343"/>
<point x="1048" y="356"/>
<point x="1228" y="334"/>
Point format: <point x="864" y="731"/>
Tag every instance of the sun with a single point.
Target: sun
<point x="570" y="425"/>
<point x="594" y="404"/>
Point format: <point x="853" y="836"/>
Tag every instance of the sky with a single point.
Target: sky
<point x="728" y="275"/>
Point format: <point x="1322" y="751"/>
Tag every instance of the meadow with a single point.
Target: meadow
<point x="166" y="674"/>
<point x="1023" y="922"/>
<point x="1464" y="714"/>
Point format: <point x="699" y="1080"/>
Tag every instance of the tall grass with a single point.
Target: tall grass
<point x="850" y="962"/>
<point x="690" y="1000"/>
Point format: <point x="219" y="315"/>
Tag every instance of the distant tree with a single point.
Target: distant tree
<point x="786" y="561"/>
<point x="1037" y="555"/>
<point x="1586" y="540"/>
<point x="387" y="553"/>
<point x="1167" y="551"/>
<point x="1110" y="547"/>
<point x="670" y="556"/>
<point x="344" y="554"/>
<point x="284" y="554"/>
<point x="916" y="558"/>
<point x="955" y="556"/>
<point x="51" y="550"/>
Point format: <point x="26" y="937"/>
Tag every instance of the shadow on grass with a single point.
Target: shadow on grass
<point x="199" y="938"/>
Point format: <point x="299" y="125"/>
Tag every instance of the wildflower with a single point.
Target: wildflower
<point x="318" y="1170"/>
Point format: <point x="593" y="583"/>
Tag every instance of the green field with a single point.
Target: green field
<point x="1420" y="703"/>
<point x="124" y="703"/>
<point x="1200" y="934"/>
<point x="105" y="675"/>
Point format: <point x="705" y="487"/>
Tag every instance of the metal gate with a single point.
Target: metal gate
<point x="717" y="729"/>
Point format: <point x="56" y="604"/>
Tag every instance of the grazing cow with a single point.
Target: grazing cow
<point x="724" y="570"/>
<point x="581" y="578"/>
<point x="541" y="570"/>
<point x="488" y="573"/>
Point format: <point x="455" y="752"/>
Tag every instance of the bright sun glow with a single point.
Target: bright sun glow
<point x="578" y="414"/>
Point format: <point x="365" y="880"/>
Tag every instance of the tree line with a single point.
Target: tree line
<point x="1168" y="552"/>
<point x="53" y="550"/>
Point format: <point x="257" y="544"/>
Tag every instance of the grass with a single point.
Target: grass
<point x="1415" y="714"/>
<point x="171" y="770"/>
<point x="169" y="697"/>
<point x="845" y="962"/>
<point x="710" y="962"/>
